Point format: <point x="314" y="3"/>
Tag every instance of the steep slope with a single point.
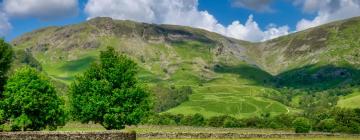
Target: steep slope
<point x="227" y="76"/>
<point x="335" y="43"/>
<point x="327" y="55"/>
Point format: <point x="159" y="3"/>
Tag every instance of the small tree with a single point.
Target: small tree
<point x="302" y="125"/>
<point x="30" y="102"/>
<point x="6" y="54"/>
<point x="327" y="125"/>
<point x="109" y="93"/>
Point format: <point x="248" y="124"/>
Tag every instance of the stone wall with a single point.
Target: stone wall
<point x="237" y="135"/>
<point x="108" y="135"/>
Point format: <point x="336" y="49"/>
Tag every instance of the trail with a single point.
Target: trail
<point x="288" y="110"/>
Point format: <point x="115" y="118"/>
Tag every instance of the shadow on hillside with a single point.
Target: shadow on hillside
<point x="252" y="73"/>
<point x="78" y="65"/>
<point x="318" y="77"/>
<point x="311" y="77"/>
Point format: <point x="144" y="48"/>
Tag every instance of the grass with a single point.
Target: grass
<point x="230" y="98"/>
<point x="350" y="101"/>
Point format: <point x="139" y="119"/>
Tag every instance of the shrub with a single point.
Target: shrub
<point x="327" y="125"/>
<point x="302" y="125"/>
<point x="197" y="120"/>
<point x="231" y="122"/>
<point x="169" y="97"/>
<point x="109" y="93"/>
<point x="254" y="122"/>
<point x="216" y="121"/>
<point x="31" y="103"/>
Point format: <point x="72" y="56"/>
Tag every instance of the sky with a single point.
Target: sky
<point x="250" y="20"/>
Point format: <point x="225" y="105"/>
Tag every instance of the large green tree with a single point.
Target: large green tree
<point x="30" y="102"/>
<point x="302" y="125"/>
<point x="6" y="54"/>
<point x="109" y="93"/>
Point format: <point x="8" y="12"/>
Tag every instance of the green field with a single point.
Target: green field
<point x="231" y="99"/>
<point x="350" y="101"/>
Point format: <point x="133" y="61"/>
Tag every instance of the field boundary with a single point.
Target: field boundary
<point x="104" y="135"/>
<point x="177" y="135"/>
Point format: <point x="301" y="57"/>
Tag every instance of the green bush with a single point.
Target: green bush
<point x="31" y="103"/>
<point x="193" y="120"/>
<point x="256" y="122"/>
<point x="302" y="125"/>
<point x="216" y="121"/>
<point x="169" y="97"/>
<point x="327" y="125"/>
<point x="109" y="93"/>
<point x="231" y="122"/>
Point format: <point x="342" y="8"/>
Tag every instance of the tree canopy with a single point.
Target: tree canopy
<point x="6" y="54"/>
<point x="109" y="93"/>
<point x="31" y="103"/>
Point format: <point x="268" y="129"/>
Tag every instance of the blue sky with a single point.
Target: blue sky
<point x="252" y="20"/>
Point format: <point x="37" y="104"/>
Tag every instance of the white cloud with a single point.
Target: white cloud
<point x="328" y="11"/>
<point x="5" y="26"/>
<point x="42" y="9"/>
<point x="178" y="12"/>
<point x="257" y="5"/>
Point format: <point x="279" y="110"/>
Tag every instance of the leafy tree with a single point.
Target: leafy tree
<point x="217" y="121"/>
<point x="167" y="98"/>
<point x="30" y="102"/>
<point x="327" y="125"/>
<point x="6" y="54"/>
<point x="231" y="122"/>
<point x="193" y="120"/>
<point x="302" y="125"/>
<point x="109" y="93"/>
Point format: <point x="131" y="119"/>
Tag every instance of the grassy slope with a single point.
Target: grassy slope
<point x="350" y="101"/>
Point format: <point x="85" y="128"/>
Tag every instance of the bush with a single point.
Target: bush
<point x="169" y="97"/>
<point x="31" y="103"/>
<point x="302" y="125"/>
<point x="327" y="125"/>
<point x="231" y="122"/>
<point x="216" y="121"/>
<point x="198" y="120"/>
<point x="109" y="93"/>
<point x="254" y="122"/>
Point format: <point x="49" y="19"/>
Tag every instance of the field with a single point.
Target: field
<point x="231" y="98"/>
<point x="350" y="101"/>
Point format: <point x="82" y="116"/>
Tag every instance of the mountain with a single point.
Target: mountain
<point x="227" y="76"/>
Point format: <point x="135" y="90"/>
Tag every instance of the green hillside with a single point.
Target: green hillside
<point x="227" y="76"/>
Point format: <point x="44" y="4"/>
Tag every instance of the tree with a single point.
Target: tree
<point x="302" y="125"/>
<point x="6" y="54"/>
<point x="327" y="125"/>
<point x="109" y="93"/>
<point x="30" y="102"/>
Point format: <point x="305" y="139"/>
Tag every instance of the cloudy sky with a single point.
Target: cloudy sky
<point x="251" y="20"/>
